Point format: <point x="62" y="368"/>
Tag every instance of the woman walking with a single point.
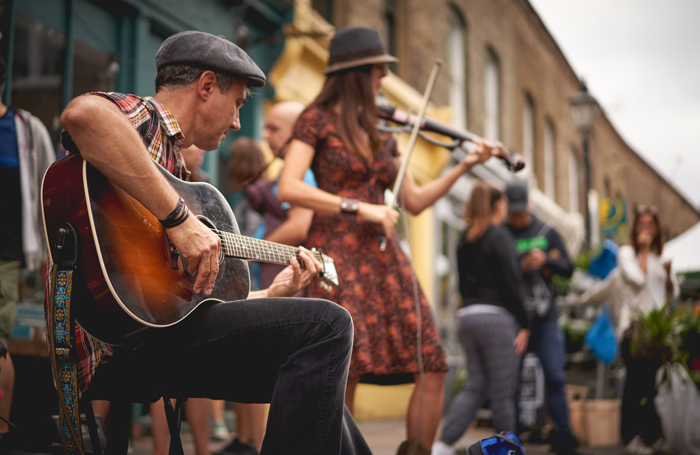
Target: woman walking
<point x="337" y="137"/>
<point x="493" y="324"/>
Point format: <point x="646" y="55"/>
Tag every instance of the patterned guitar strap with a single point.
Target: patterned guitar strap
<point x="61" y="339"/>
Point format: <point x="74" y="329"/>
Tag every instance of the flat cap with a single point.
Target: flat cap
<point x="209" y="51"/>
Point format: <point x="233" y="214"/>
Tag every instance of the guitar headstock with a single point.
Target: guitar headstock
<point x="329" y="275"/>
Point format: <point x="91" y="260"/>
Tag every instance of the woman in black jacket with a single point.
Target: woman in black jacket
<point x="493" y="324"/>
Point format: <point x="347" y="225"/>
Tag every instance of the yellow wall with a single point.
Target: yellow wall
<point x="374" y="402"/>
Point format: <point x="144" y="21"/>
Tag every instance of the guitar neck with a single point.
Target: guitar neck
<point x="243" y="247"/>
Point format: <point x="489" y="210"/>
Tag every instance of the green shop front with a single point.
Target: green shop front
<point x="56" y="50"/>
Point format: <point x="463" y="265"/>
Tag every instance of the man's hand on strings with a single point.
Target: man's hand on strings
<point x="293" y="278"/>
<point x="201" y="247"/>
<point x="380" y="214"/>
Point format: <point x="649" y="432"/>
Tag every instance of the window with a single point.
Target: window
<point x="574" y="193"/>
<point x="94" y="70"/>
<point x="549" y="183"/>
<point x="324" y="8"/>
<point x="391" y="31"/>
<point x="491" y="96"/>
<point x="458" y="95"/>
<point x="37" y="72"/>
<point x="528" y="131"/>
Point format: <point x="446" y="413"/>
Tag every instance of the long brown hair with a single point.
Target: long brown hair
<point x="480" y="207"/>
<point x="356" y="125"/>
<point x="657" y="244"/>
<point x="245" y="159"/>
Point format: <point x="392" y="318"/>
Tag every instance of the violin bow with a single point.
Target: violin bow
<point x="392" y="199"/>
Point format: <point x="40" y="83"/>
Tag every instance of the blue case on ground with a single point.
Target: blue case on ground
<point x="500" y="444"/>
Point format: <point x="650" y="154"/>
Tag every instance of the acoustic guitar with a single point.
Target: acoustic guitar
<point x="134" y="277"/>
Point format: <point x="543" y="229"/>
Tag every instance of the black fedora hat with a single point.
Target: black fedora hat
<point x="356" y="46"/>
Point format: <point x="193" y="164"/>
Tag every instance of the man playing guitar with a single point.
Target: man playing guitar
<point x="292" y="353"/>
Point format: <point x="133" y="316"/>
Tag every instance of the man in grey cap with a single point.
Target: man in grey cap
<point x="292" y="353"/>
<point x="542" y="255"/>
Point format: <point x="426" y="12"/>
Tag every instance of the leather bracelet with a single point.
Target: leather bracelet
<point x="177" y="216"/>
<point x="348" y="205"/>
<point x="178" y="220"/>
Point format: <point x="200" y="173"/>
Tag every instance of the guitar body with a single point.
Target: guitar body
<point x="134" y="276"/>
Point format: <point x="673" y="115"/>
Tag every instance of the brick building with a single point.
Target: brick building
<point x="508" y="80"/>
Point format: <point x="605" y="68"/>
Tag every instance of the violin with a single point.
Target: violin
<point x="397" y="116"/>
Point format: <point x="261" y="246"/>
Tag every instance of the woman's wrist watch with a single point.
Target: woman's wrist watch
<point x="348" y="205"/>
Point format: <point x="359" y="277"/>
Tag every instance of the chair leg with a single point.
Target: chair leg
<point x="119" y="428"/>
<point x="86" y="405"/>
<point x="174" y="417"/>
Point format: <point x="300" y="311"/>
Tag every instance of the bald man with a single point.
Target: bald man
<point x="279" y="124"/>
<point x="284" y="224"/>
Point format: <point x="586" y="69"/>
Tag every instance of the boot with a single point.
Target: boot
<point x="406" y="448"/>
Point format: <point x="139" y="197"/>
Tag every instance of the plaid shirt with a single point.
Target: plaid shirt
<point x="162" y="137"/>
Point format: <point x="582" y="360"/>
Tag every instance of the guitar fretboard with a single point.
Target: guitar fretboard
<point x="243" y="247"/>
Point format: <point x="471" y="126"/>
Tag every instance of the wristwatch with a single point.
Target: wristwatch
<point x="348" y="205"/>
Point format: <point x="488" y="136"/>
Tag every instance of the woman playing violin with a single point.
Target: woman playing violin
<point x="337" y="137"/>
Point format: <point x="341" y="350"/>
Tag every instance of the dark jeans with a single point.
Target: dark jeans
<point x="638" y="414"/>
<point x="547" y="342"/>
<point x="291" y="353"/>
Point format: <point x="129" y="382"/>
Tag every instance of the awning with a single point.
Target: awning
<point x="570" y="226"/>
<point x="683" y="250"/>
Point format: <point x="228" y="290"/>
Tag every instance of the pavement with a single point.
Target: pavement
<point x="383" y="437"/>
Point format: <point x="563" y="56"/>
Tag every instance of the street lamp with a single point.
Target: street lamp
<point x="584" y="109"/>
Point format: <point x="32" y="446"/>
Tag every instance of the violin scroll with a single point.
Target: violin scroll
<point x="512" y="164"/>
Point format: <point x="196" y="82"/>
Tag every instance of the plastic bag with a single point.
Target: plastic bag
<point x="606" y="260"/>
<point x="678" y="406"/>
<point x="600" y="338"/>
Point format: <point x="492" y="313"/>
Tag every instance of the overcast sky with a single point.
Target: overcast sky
<point x="641" y="60"/>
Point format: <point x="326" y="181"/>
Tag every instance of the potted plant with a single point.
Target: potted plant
<point x="670" y="335"/>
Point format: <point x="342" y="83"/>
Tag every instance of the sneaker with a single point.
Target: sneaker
<point x="637" y="447"/>
<point x="239" y="448"/>
<point x="440" y="448"/>
<point x="661" y="446"/>
<point x="219" y="431"/>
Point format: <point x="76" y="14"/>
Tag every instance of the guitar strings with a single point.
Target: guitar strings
<point x="270" y="251"/>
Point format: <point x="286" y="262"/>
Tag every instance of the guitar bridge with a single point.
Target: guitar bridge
<point x="329" y="273"/>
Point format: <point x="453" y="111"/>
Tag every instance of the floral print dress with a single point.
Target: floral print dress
<point x="376" y="287"/>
